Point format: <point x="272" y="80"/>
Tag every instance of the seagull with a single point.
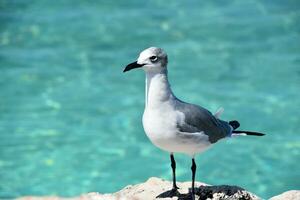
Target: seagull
<point x="174" y="125"/>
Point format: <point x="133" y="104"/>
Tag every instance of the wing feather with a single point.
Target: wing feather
<point x="198" y="119"/>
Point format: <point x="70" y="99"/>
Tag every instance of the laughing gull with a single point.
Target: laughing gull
<point x="173" y="125"/>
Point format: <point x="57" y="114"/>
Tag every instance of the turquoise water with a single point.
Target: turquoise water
<point x="70" y="120"/>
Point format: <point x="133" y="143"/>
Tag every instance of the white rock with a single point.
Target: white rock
<point x="289" y="195"/>
<point x="158" y="187"/>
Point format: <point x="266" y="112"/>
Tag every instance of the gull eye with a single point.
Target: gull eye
<point x="153" y="58"/>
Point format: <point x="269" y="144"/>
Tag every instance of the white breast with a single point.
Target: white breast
<point x="160" y="124"/>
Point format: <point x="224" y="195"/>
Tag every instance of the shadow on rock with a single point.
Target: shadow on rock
<point x="171" y="193"/>
<point x="204" y="192"/>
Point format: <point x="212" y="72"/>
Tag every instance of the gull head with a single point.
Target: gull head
<point x="153" y="60"/>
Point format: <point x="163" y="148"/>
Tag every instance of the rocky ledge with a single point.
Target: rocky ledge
<point x="156" y="188"/>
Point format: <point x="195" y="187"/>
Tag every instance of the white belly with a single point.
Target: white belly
<point x="160" y="126"/>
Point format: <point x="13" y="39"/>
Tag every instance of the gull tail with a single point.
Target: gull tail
<point x="235" y="124"/>
<point x="247" y="133"/>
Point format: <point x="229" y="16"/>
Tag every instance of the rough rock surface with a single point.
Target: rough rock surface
<point x="156" y="188"/>
<point x="289" y="195"/>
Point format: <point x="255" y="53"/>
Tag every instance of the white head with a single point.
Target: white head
<point x="153" y="59"/>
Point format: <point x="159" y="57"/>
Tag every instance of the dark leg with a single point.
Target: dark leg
<point x="193" y="168"/>
<point x="173" y="165"/>
<point x="173" y="192"/>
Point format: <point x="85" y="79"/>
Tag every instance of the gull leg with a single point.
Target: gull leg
<point x="173" y="192"/>
<point x="173" y="165"/>
<point x="193" y="168"/>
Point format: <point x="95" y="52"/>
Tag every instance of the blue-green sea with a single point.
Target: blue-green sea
<point x="70" y="120"/>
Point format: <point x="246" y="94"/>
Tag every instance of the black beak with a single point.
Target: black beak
<point x="132" y="66"/>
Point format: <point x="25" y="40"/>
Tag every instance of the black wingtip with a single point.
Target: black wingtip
<point x="249" y="133"/>
<point x="235" y="124"/>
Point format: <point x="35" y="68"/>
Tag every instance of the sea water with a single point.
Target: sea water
<point x="70" y="120"/>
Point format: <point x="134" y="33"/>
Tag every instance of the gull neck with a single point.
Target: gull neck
<point x="157" y="89"/>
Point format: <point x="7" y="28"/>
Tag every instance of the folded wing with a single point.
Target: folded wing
<point x="198" y="119"/>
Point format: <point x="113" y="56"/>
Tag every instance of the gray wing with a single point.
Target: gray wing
<point x="199" y="119"/>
